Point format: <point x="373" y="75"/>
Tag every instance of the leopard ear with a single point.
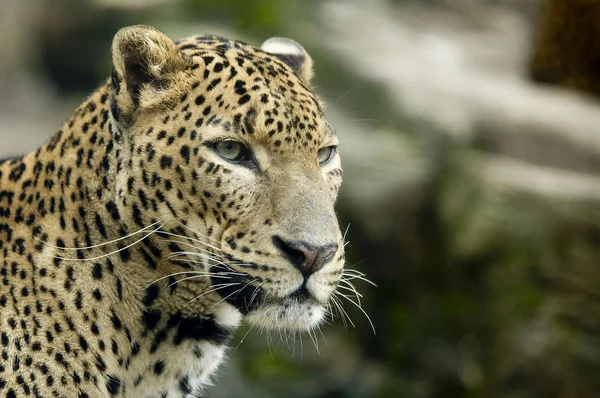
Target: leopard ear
<point x="145" y="62"/>
<point x="292" y="54"/>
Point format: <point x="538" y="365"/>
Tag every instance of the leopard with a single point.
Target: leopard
<point x="194" y="190"/>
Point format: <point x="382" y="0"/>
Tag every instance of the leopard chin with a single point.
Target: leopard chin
<point x="302" y="309"/>
<point x="291" y="315"/>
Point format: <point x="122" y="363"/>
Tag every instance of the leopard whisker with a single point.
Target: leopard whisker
<point x="329" y="311"/>
<point x="269" y="345"/>
<point x="345" y="233"/>
<point x="287" y="337"/>
<point x="349" y="274"/>
<point x="350" y="267"/>
<point x="229" y="295"/>
<point x="111" y="253"/>
<point x="195" y="254"/>
<point x="340" y="306"/>
<point x="201" y="234"/>
<point x="200" y="250"/>
<point x="335" y="311"/>
<point x="243" y="338"/>
<point x="255" y="293"/>
<point x="216" y="263"/>
<point x="323" y="336"/>
<point x="170" y="275"/>
<point x="192" y="239"/>
<point x="246" y="284"/>
<point x="353" y="290"/>
<point x="314" y="340"/>
<point x="201" y="255"/>
<point x="140" y="231"/>
<point x="352" y="277"/>
<point x="196" y="262"/>
<point x="292" y="338"/>
<point x="349" y="286"/>
<point x="301" y="349"/>
<point x="215" y="288"/>
<point x="360" y="308"/>
<point x="208" y="275"/>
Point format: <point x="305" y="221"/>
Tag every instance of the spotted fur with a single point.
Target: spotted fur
<point x="130" y="248"/>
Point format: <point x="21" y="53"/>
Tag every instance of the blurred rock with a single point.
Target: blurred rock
<point x="491" y="227"/>
<point x="567" y="51"/>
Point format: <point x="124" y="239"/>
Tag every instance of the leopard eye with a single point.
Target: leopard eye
<point x="232" y="151"/>
<point x="325" y="154"/>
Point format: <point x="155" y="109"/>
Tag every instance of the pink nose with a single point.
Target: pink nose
<point x="307" y="258"/>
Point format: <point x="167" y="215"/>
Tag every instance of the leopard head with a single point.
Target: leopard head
<point x="229" y="141"/>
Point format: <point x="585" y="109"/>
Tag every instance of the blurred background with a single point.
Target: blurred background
<point x="471" y="146"/>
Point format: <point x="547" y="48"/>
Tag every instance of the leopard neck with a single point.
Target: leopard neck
<point x="122" y="291"/>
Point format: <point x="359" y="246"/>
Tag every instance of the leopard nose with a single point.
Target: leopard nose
<point x="306" y="257"/>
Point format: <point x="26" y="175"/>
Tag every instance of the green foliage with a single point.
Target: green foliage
<point x="255" y="17"/>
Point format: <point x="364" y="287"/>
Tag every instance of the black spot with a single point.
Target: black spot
<point x="100" y="364"/>
<point x="240" y="88"/>
<point x="78" y="300"/>
<point x="124" y="254"/>
<point x="151" y="318"/>
<point x="213" y="84"/>
<point x="116" y="321"/>
<point x="137" y="215"/>
<point x="83" y="343"/>
<point x="97" y="271"/>
<point x="135" y="349"/>
<point x="114" y="347"/>
<point x="119" y="289"/>
<point x="245" y="98"/>
<point x="165" y="161"/>
<point x="158" y="339"/>
<point x="112" y="209"/>
<point x="185" y="153"/>
<point x="17" y="172"/>
<point x="246" y="299"/>
<point x="100" y="225"/>
<point x="184" y="386"/>
<point x="159" y="366"/>
<point x="198" y="329"/>
<point x="112" y="385"/>
<point x="152" y="293"/>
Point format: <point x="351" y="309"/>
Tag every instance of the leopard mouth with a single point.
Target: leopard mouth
<point x="245" y="293"/>
<point x="236" y="288"/>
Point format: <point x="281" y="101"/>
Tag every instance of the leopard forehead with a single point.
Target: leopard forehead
<point x="236" y="89"/>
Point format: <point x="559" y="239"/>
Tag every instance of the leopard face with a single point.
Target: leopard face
<point x="227" y="143"/>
